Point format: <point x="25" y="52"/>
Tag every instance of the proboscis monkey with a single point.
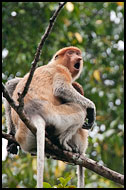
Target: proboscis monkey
<point x="52" y="98"/>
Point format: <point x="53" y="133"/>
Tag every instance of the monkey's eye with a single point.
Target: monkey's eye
<point x="78" y="53"/>
<point x="56" y="56"/>
<point x="70" y="52"/>
<point x="77" y="65"/>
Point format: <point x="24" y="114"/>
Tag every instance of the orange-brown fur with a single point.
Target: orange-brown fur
<point x="42" y="77"/>
<point x="41" y="87"/>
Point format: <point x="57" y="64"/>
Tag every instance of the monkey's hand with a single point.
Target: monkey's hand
<point x="90" y="118"/>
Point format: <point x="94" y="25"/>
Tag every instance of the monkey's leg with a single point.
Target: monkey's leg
<point x="74" y="116"/>
<point x="66" y="118"/>
<point x="25" y="138"/>
<point x="79" y="141"/>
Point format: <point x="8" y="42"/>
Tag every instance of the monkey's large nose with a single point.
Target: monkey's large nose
<point x="79" y="58"/>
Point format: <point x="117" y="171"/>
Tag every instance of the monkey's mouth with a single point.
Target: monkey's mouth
<point x="77" y="65"/>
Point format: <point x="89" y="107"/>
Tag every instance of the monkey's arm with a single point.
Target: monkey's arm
<point x="86" y="125"/>
<point x="63" y="89"/>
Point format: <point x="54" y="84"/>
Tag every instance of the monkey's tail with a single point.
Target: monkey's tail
<point x="80" y="176"/>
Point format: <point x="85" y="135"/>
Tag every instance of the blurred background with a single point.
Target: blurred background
<point x="97" y="28"/>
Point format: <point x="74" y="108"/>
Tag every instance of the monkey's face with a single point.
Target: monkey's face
<point x="71" y="58"/>
<point x="74" y="62"/>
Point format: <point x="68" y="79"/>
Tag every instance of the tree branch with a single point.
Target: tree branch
<point x="9" y="138"/>
<point x="81" y="160"/>
<point x="38" y="53"/>
<point x="19" y="108"/>
<point x="19" y="111"/>
<point x="74" y="158"/>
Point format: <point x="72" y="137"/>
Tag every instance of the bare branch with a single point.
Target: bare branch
<point x="38" y="53"/>
<point x="19" y="108"/>
<point x="9" y="138"/>
<point x="73" y="158"/>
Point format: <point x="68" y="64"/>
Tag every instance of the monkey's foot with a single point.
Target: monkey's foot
<point x="12" y="148"/>
<point x="64" y="143"/>
<point x="74" y="147"/>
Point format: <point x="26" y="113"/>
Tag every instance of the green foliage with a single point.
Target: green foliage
<point x="17" y="168"/>
<point x="62" y="184"/>
<point x="98" y="30"/>
<point x="46" y="185"/>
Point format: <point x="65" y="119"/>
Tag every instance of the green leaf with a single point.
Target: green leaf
<point x="46" y="185"/>
<point x="67" y="180"/>
<point x="60" y="186"/>
<point x="64" y="181"/>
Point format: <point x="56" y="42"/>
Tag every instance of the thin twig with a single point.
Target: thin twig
<point x="38" y="53"/>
